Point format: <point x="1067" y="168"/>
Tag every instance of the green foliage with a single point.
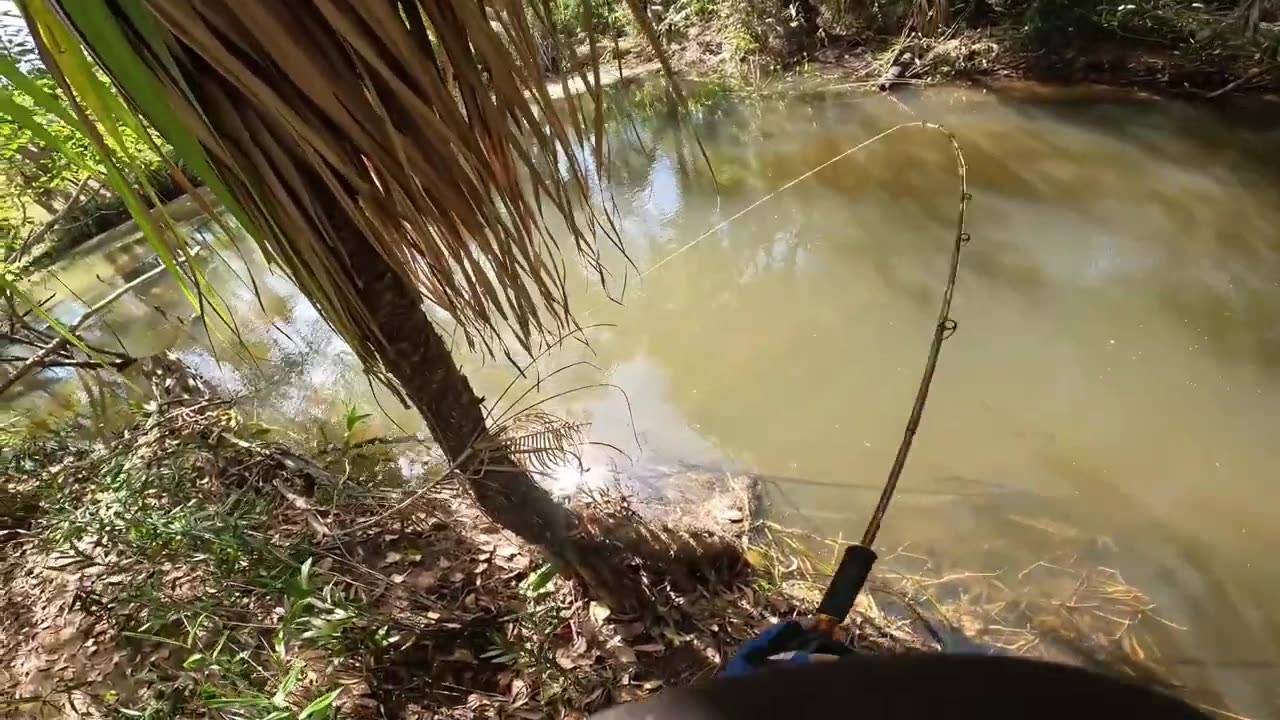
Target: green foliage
<point x="608" y="17"/>
<point x="1055" y="23"/>
<point x="539" y="580"/>
<point x="121" y="148"/>
<point x="1209" y="26"/>
<point x="101" y="212"/>
<point x="527" y="647"/>
<point x="164" y="519"/>
<point x="30" y="167"/>
<point x="745" y="28"/>
<point x="351" y="421"/>
<point x="1198" y="26"/>
<point x="45" y="151"/>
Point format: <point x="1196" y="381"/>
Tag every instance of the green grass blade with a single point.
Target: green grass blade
<point x="319" y="705"/>
<point x="18" y="113"/>
<point x="8" y="284"/>
<point x="282" y="693"/>
<point x="42" y="98"/>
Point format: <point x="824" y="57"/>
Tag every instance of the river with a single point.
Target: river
<point x="1115" y="370"/>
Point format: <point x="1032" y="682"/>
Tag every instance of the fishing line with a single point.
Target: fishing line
<point x="785" y="187"/>
<point x="856" y="562"/>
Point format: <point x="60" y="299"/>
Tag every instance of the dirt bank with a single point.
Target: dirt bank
<point x="982" y="57"/>
<point x="199" y="564"/>
<point x="196" y="563"/>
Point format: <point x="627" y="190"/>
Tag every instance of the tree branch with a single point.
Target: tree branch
<point x="41" y="358"/>
<point x="89" y="364"/>
<point x="53" y="222"/>
<point x="1243" y="79"/>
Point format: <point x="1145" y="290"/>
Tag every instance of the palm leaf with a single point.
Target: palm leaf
<point x="97" y="110"/>
<point x="539" y="440"/>
<point x="414" y="124"/>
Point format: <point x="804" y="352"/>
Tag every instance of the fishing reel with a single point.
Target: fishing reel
<point x="820" y="635"/>
<point x="807" y="637"/>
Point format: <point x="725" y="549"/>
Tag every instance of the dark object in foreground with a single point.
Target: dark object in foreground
<point x="846" y="583"/>
<point x="910" y="687"/>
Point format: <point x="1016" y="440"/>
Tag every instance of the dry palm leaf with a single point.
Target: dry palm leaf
<point x="422" y="127"/>
<point x="539" y="441"/>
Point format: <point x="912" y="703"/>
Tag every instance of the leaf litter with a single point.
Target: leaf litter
<point x="169" y="569"/>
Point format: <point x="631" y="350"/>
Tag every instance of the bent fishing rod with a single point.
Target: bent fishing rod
<point x="858" y="558"/>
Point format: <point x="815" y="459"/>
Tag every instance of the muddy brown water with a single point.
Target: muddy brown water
<point x="1114" y="375"/>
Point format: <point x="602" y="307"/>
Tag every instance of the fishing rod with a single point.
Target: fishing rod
<point x="858" y="558"/>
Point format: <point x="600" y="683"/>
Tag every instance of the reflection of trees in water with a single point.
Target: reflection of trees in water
<point x="129" y="259"/>
<point x="1064" y="213"/>
<point x="279" y="354"/>
<point x="800" y="238"/>
<point x="291" y="365"/>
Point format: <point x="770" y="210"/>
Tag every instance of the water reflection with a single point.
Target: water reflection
<point x="1113" y="373"/>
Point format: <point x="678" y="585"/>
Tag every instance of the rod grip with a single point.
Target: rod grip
<point x="847" y="582"/>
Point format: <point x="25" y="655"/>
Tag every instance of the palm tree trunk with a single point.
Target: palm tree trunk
<point x="419" y="359"/>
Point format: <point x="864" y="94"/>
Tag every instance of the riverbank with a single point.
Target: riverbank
<point x="195" y="563"/>
<point x="1205" y="58"/>
<point x="990" y="58"/>
<point x="198" y="561"/>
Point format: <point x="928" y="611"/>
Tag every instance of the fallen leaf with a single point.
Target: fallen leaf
<point x="598" y="611"/>
<point x="392" y="557"/>
<point x="504" y="679"/>
<point x="629" y="693"/>
<point x="624" y="654"/>
<point x="506" y="551"/>
<point x="630" y="630"/>
<point x="565" y="659"/>
<point x="460" y="655"/>
<point x="650" y="647"/>
<point x="675" y="636"/>
<point x="423" y="580"/>
<point x="398" y="578"/>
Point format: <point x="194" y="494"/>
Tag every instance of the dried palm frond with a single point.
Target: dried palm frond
<point x="539" y="440"/>
<point x="422" y="128"/>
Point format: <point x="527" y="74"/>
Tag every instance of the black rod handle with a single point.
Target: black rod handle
<point x="847" y="582"/>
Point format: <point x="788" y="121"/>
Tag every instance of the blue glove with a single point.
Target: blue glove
<point x="771" y="642"/>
